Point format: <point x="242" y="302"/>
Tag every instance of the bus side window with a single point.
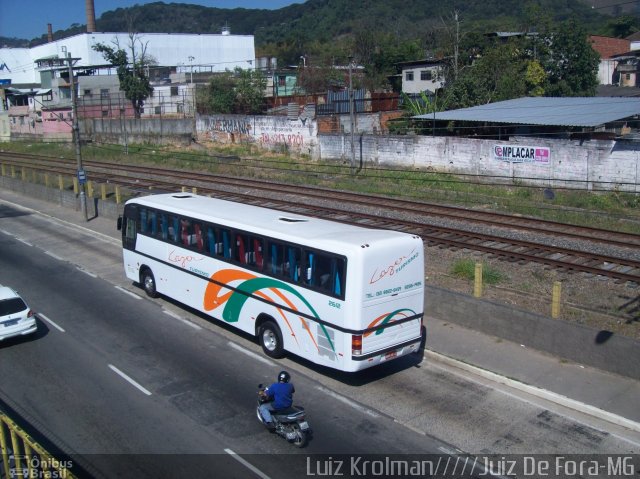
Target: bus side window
<point x="226" y="243"/>
<point x="338" y="276"/>
<point x="241" y="254"/>
<point x="322" y="273"/>
<point x="164" y="226"/>
<point x="309" y="268"/>
<point x="143" y="220"/>
<point x="211" y="241"/>
<point x="256" y="252"/>
<point x="293" y="264"/>
<point x="174" y="229"/>
<point x="185" y="232"/>
<point x="153" y="221"/>
<point x="198" y="241"/>
<point x="275" y="259"/>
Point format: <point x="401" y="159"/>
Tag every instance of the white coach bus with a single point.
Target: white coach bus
<point x="342" y="296"/>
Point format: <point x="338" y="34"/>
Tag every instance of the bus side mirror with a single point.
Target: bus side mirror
<point x="119" y="223"/>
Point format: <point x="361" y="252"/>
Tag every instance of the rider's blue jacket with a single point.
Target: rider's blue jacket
<point x="282" y="395"/>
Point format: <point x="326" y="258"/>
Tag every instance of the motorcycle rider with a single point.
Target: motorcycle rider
<point x="280" y="397"/>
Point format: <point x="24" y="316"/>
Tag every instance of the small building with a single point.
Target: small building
<point x="607" y="48"/>
<point x="627" y="68"/>
<point x="422" y="76"/>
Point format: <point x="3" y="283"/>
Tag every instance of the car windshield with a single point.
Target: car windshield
<point x="11" y="306"/>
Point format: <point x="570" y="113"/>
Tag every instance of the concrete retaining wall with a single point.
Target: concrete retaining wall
<point x="64" y="198"/>
<point x="581" y="344"/>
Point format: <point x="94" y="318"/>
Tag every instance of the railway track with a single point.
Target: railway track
<point x="400" y="214"/>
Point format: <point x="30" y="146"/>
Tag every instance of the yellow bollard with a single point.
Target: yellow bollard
<point x="118" y="195"/>
<point x="23" y="172"/>
<point x="46" y="180"/>
<point x="555" y="300"/>
<point x="103" y="192"/>
<point x="4" y="170"/>
<point x="184" y="189"/>
<point x="90" y="189"/>
<point x="13" y="171"/>
<point x="194" y="190"/>
<point x="76" y="186"/>
<point x="60" y="183"/>
<point x="477" y="283"/>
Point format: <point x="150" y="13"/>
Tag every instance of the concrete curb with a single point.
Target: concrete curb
<point x="536" y="391"/>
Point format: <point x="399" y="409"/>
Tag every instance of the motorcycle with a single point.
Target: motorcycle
<point x="289" y="424"/>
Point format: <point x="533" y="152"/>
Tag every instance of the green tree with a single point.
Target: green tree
<point x="249" y="91"/>
<point x="220" y="95"/>
<point x="571" y="63"/>
<point x="240" y="91"/>
<point x="133" y="79"/>
<point x="497" y="73"/>
<point x="535" y="78"/>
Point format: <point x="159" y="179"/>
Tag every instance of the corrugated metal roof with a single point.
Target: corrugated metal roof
<point x="565" y="111"/>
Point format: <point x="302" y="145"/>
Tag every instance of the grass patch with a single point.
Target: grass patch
<point x="466" y="269"/>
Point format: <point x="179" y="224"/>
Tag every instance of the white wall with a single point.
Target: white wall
<point x="597" y="165"/>
<point x="591" y="164"/>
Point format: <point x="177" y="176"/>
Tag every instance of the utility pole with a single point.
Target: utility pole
<point x="82" y="178"/>
<point x="191" y="62"/>
<point x="352" y="117"/>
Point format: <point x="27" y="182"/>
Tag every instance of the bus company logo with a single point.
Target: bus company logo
<point x="393" y="268"/>
<point x="183" y="260"/>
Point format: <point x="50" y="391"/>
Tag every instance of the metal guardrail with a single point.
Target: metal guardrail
<point x="22" y="457"/>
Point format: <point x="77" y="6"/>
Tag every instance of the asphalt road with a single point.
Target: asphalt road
<point x="112" y="379"/>
<point x="136" y="387"/>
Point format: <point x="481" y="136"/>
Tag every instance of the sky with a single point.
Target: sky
<point x="28" y="19"/>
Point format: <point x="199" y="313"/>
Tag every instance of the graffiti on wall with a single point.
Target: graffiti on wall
<point x="268" y="131"/>
<point x="231" y="125"/>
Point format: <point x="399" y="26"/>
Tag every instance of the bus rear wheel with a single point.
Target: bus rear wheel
<point x="270" y="339"/>
<point x="149" y="283"/>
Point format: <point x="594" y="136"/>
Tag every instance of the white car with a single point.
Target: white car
<point x="16" y="318"/>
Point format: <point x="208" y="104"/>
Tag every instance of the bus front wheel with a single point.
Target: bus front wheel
<point x="149" y="283"/>
<point x="271" y="340"/>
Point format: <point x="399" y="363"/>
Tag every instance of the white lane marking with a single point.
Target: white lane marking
<point x="6" y="232"/>
<point x="53" y="255"/>
<point x="181" y="319"/>
<point x="349" y="402"/>
<point x="246" y="464"/>
<point x="24" y="241"/>
<point x="128" y="379"/>
<point x="42" y="316"/>
<point x="258" y="357"/>
<point x="134" y="295"/>
<point x="88" y="273"/>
